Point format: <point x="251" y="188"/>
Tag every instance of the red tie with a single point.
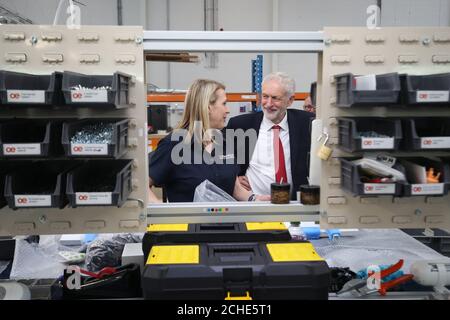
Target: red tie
<point x="280" y="167"/>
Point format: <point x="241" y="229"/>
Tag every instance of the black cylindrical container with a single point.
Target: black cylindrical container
<point x="309" y="195"/>
<point x="280" y="193"/>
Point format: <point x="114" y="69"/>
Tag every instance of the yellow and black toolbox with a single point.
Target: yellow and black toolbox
<point x="213" y="232"/>
<point x="217" y="271"/>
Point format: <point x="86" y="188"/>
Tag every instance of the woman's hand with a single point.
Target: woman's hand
<point x="245" y="183"/>
<point x="263" y="197"/>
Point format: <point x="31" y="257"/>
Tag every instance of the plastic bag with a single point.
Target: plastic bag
<point x="37" y="260"/>
<point x="378" y="168"/>
<point x="107" y="252"/>
<point x="209" y="192"/>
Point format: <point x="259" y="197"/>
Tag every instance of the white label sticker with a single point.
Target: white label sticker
<point x="435" y="142"/>
<point x="377" y="143"/>
<point x="32" y="200"/>
<point x="24" y="96"/>
<point x="379" y="188"/>
<point x="89" y="149"/>
<point x="100" y="95"/>
<point x="429" y="188"/>
<point x="432" y="96"/>
<point x="21" y="149"/>
<point x="93" y="198"/>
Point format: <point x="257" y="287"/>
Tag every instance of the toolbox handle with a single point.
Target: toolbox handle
<point x="246" y="297"/>
<point x="234" y="249"/>
<point x="217" y="226"/>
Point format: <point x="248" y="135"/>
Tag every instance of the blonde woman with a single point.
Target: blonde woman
<point x="189" y="155"/>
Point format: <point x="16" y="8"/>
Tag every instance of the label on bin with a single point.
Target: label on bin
<point x="377" y="143"/>
<point x="379" y="188"/>
<point x="432" y="96"/>
<point x="93" y="198"/>
<point x="32" y="200"/>
<point x="435" y="142"/>
<point x="100" y="95"/>
<point x="427" y="188"/>
<point x="89" y="149"/>
<point x="21" y="149"/>
<point x="24" y="96"/>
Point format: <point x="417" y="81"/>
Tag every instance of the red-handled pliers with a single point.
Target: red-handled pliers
<point x="358" y="287"/>
<point x="385" y="286"/>
<point x="107" y="271"/>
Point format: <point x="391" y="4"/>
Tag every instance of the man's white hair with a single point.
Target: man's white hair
<point x="284" y="79"/>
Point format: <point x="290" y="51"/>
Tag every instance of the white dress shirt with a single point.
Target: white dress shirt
<point x="261" y="170"/>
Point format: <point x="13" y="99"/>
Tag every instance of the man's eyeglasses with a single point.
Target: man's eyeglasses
<point x="274" y="98"/>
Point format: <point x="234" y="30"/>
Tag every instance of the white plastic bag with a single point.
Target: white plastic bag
<point x="209" y="192"/>
<point x="380" y="169"/>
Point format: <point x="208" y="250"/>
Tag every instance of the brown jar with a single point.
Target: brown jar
<point x="280" y="193"/>
<point x="309" y="195"/>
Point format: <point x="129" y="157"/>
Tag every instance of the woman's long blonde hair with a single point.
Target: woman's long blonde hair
<point x="201" y="94"/>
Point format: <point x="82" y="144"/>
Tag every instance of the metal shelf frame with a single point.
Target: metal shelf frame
<point x="200" y="212"/>
<point x="231" y="41"/>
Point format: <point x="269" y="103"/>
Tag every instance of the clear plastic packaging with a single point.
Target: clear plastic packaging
<point x="209" y="192"/>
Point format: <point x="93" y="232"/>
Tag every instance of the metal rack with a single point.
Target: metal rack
<point x="110" y="49"/>
<point x="362" y="51"/>
<point x="92" y="50"/>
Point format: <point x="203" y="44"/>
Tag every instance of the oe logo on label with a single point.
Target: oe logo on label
<point x="368" y="188"/>
<point x="14" y="95"/>
<point x="427" y="141"/>
<point x="77" y="149"/>
<point x="82" y="197"/>
<point x="423" y="96"/>
<point x="10" y="149"/>
<point x="77" y="95"/>
<point x="417" y="189"/>
<point x="368" y="142"/>
<point x="22" y="200"/>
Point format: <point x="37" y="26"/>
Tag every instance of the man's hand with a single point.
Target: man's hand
<point x="243" y="180"/>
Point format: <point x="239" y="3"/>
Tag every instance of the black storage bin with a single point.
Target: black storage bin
<point x="212" y="232"/>
<point x="30" y="89"/>
<point x="124" y="283"/>
<point x="350" y="130"/>
<point x="425" y="189"/>
<point x="387" y="91"/>
<point x="351" y="181"/>
<point x="446" y="162"/>
<point x="216" y="271"/>
<point x="4" y="169"/>
<point x="430" y="89"/>
<point x="39" y="184"/>
<point x="30" y="138"/>
<point x="426" y="134"/>
<point x="115" y="149"/>
<point x="100" y="183"/>
<point x="92" y="95"/>
<point x="439" y="242"/>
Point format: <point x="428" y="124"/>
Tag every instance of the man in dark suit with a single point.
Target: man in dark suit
<point x="281" y="151"/>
